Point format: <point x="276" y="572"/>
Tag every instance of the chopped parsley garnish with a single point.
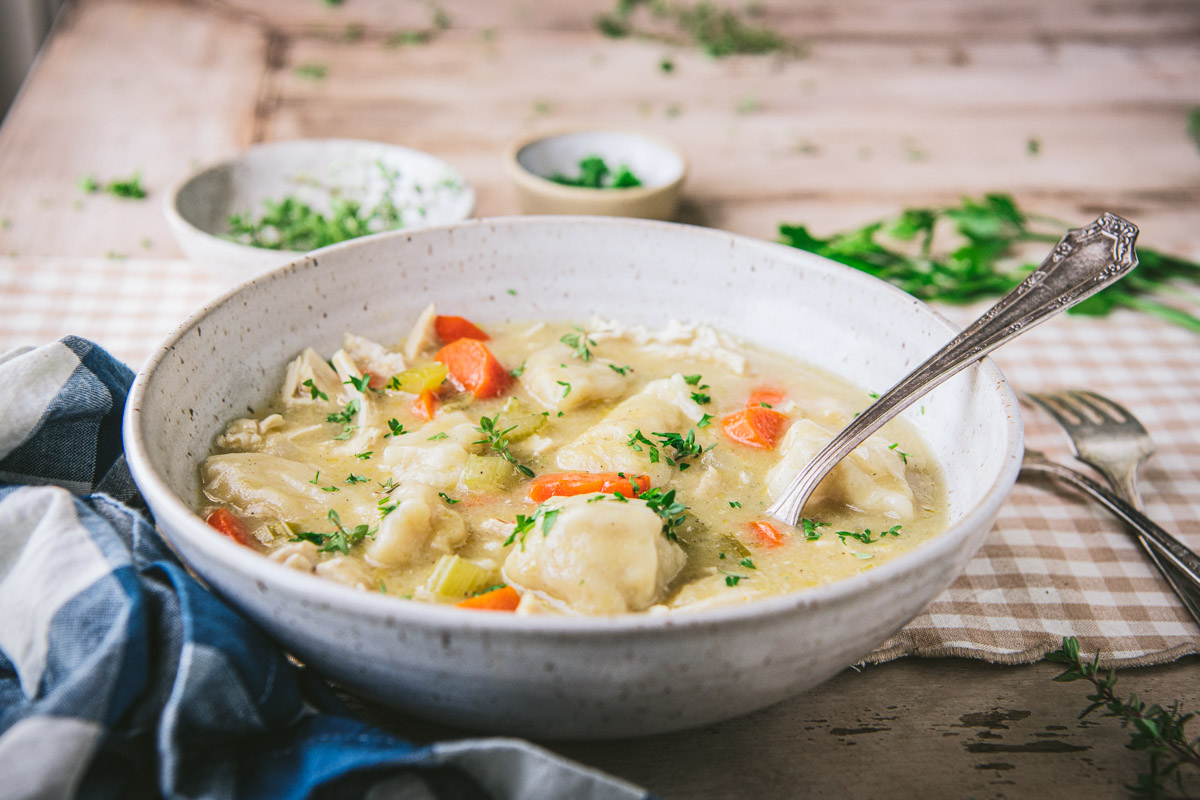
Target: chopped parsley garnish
<point x="705" y="421"/>
<point x="671" y="512"/>
<point x="732" y="580"/>
<point x="449" y="500"/>
<point x="703" y="399"/>
<point x="519" y="371"/>
<point x="358" y="382"/>
<point x="566" y="387"/>
<point x="620" y="370"/>
<point x="314" y="392"/>
<point x="395" y="428"/>
<point x="683" y="447"/>
<point x="352" y="478"/>
<point x="580" y="343"/>
<point x="364" y="456"/>
<point x="901" y="453"/>
<point x="698" y="396"/>
<point x="513" y="292"/>
<point x="693" y="380"/>
<point x="498" y="441"/>
<point x="594" y="173"/>
<point x="442" y="435"/>
<point x="341" y="540"/>
<point x="525" y="524"/>
<point x="864" y="535"/>
<point x="747" y="563"/>
<point x="129" y="188"/>
<point x="330" y="489"/>
<point x="346" y="433"/>
<point x="734" y="504"/>
<point x="316" y="478"/>
<point x="344" y="416"/>
<point x="765" y="405"/>
<point x="811" y="529"/>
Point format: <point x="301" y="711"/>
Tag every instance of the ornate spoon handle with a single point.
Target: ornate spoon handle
<point x="1084" y="262"/>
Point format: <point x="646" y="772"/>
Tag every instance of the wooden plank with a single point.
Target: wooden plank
<point x="909" y="728"/>
<point x="122" y="86"/>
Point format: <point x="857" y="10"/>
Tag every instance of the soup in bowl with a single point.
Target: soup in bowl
<point x="583" y="430"/>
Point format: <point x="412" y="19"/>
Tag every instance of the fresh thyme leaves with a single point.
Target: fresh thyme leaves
<point x="566" y="387"/>
<point x="352" y="478"/>
<point x="580" y="342"/>
<point x="525" y="524"/>
<point x="449" y="500"/>
<point x="359" y="382"/>
<point x="346" y="433"/>
<point x="717" y="31"/>
<point x="903" y="455"/>
<point x="436" y="436"/>
<point x="314" y="392"/>
<point x="812" y="529"/>
<point x="620" y="370"/>
<point x="705" y="421"/>
<point x="346" y="415"/>
<point x="129" y="188"/>
<point x="682" y="447"/>
<point x="1159" y="732"/>
<point x="498" y="441"/>
<point x="698" y="396"/>
<point x="395" y="428"/>
<point x="671" y="512"/>
<point x="594" y="173"/>
<point x="518" y="371"/>
<point x="341" y="540"/>
<point x="992" y="229"/>
<point x="864" y="535"/>
<point x="364" y="456"/>
<point x="637" y="439"/>
<point x="316" y="478"/>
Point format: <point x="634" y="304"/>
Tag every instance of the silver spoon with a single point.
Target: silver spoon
<point x="1084" y="262"/>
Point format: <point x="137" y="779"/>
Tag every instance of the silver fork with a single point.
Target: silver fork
<point x="1106" y="436"/>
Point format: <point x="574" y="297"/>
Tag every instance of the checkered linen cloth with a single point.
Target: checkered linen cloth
<point x="122" y="677"/>
<point x="1054" y="565"/>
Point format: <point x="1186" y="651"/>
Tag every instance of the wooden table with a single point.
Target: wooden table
<point x="1074" y="106"/>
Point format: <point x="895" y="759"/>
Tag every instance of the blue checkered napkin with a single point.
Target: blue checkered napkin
<point x="122" y="677"/>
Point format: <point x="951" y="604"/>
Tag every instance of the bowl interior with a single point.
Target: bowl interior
<point x="654" y="162"/>
<point x="570" y="269"/>
<point x="426" y="190"/>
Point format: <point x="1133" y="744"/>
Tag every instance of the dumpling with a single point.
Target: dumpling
<point x="870" y="479"/>
<point x="263" y="485"/>
<point x="418" y="528"/>
<point x="598" y="557"/>
<point x="561" y="382"/>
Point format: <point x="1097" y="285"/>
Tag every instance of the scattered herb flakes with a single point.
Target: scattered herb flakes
<point x="513" y="292"/>
<point x="365" y="455"/>
<point x="1033" y="146"/>
<point x="734" y="504"/>
<point x="346" y="415"/>
<point x="449" y="500"/>
<point x="395" y="428"/>
<point x="566" y="387"/>
<point x="330" y="489"/>
<point x="352" y="478"/>
<point x="359" y="382"/>
<point x="526" y="523"/>
<point x="594" y="173"/>
<point x="718" y="32"/>
<point x="896" y="446"/>
<point x="340" y="540"/>
<point x="812" y="528"/>
<point x="580" y="344"/>
<point x="498" y="441"/>
<point x="990" y="229"/>
<point x="747" y="563"/>
<point x="436" y="436"/>
<point x="316" y="478"/>
<point x="666" y="66"/>
<point x="408" y="38"/>
<point x="518" y="371"/>
<point x="129" y="188"/>
<point x="732" y="580"/>
<point x="311" y="72"/>
<point x="705" y="421"/>
<point x="669" y="510"/>
<point x="622" y="371"/>
<point x="314" y="392"/>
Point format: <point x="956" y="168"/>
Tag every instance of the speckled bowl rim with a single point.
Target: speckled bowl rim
<point x="370" y="604"/>
<point x="170" y="203"/>
<point x="557" y="191"/>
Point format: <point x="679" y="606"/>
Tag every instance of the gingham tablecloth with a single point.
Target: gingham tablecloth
<point x="1055" y="565"/>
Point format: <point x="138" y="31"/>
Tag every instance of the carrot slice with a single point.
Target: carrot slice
<point x="567" y="484"/>
<point x="766" y="534"/>
<point x="770" y="395"/>
<point x="451" y="329"/>
<point x="755" y="427"/>
<point x="503" y="599"/>
<point x="473" y="368"/>
<point x="225" y="523"/>
<point x="425" y="405"/>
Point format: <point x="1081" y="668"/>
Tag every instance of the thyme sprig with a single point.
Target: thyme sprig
<point x="1157" y="731"/>
<point x="498" y="441"/>
<point x="340" y="540"/>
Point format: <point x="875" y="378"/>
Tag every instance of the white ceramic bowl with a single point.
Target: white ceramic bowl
<point x="428" y="191"/>
<point x="660" y="165"/>
<point x="557" y="677"/>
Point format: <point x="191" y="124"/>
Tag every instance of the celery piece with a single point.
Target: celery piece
<point x="455" y="577"/>
<point x="732" y="547"/>
<point x="524" y="423"/>
<point x="420" y="379"/>
<point x="488" y="474"/>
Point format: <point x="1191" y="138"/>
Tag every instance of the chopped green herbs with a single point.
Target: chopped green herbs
<point x="314" y="392"/>
<point x="903" y="455"/>
<point x="518" y="371"/>
<point x="449" y="500"/>
<point x="128" y="188"/>
<point x="311" y="72"/>
<point x="865" y="535"/>
<point x="991" y="229"/>
<point x="364" y="456"/>
<point x="717" y="31"/>
<point x="566" y="387"/>
<point x="316" y="478"/>
<point x="705" y="421"/>
<point x="733" y="580"/>
<point x="395" y="428"/>
<point x="622" y="371"/>
<point x="747" y="563"/>
<point x="682" y="447"/>
<point x="594" y="173"/>
<point x="498" y="441"/>
<point x="340" y="540"/>
<point x="359" y="382"/>
<point x="346" y="433"/>
<point x="812" y="529"/>
<point x="580" y="343"/>
<point x="436" y="436"/>
<point x="346" y="415"/>
<point x="734" y="504"/>
<point x="526" y="523"/>
<point x="330" y="489"/>
<point x="352" y="478"/>
<point x="671" y="512"/>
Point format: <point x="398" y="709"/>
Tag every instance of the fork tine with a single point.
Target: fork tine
<point x="1107" y="409"/>
<point x="1057" y="408"/>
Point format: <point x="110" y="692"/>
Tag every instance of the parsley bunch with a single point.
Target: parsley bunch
<point x="990" y="231"/>
<point x="1157" y="731"/>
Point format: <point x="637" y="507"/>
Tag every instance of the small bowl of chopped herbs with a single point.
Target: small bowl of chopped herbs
<point x="279" y="200"/>
<point x="607" y="173"/>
